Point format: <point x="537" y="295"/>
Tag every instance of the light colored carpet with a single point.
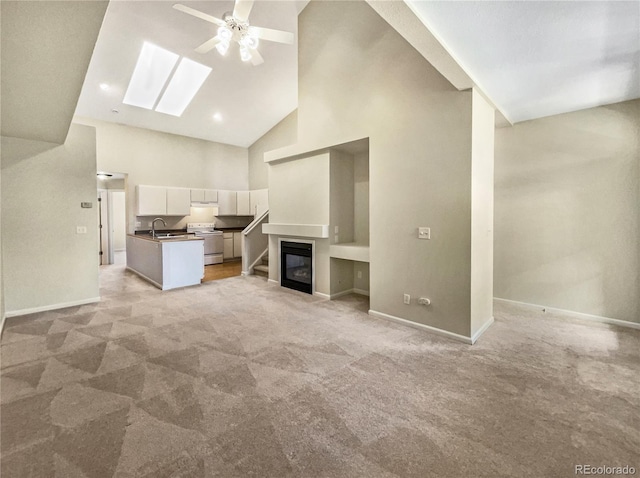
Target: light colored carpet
<point x="238" y="377"/>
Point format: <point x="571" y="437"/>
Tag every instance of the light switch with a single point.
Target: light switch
<point x="424" y="233"/>
<point x="407" y="299"/>
<point x="336" y="229"/>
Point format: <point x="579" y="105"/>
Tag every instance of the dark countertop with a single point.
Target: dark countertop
<point x="230" y="229"/>
<point x="177" y="238"/>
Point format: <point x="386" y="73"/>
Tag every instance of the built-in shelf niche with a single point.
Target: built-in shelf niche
<point x="349" y="218"/>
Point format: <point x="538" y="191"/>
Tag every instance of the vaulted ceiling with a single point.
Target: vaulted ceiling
<point x="531" y="59"/>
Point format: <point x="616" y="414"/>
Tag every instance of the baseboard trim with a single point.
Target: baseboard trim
<point x="45" y="308"/>
<point x="575" y="315"/>
<point x="349" y="291"/>
<point x="151" y="281"/>
<point x="482" y="330"/>
<point x="427" y="328"/>
<point x="321" y="295"/>
<point x="272" y="281"/>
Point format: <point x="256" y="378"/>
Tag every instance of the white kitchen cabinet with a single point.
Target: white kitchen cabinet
<point x="151" y="201"/>
<point x="211" y="196"/>
<point x="178" y="202"/>
<point x="227" y="203"/>
<point x="259" y="199"/>
<point x="237" y="244"/>
<point x="227" y="252"/>
<point x="243" y="203"/>
<point x="204" y="196"/>
<point x="197" y="195"/>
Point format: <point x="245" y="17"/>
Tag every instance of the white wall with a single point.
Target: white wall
<point x="359" y="78"/>
<point x="361" y="198"/>
<point x="118" y="220"/>
<point x="567" y="212"/>
<point x="46" y="264"/>
<point x="162" y="159"/>
<point x="299" y="194"/>
<point x="482" y="148"/>
<point x="282" y="134"/>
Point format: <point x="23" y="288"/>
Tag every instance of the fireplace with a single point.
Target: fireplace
<point x="296" y="266"/>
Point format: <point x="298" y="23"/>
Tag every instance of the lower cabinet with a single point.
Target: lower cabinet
<point x="227" y="252"/>
<point x="233" y="246"/>
<point x="237" y="244"/>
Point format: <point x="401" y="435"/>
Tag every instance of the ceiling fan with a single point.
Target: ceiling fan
<point x="234" y="26"/>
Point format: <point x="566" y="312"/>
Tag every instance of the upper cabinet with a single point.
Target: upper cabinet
<point x="161" y="201"/>
<point x="178" y="202"/>
<point x="259" y="201"/>
<point x="243" y="203"/>
<point x="165" y="201"/>
<point x="227" y="203"/>
<point x="204" y="196"/>
<point x="151" y="201"/>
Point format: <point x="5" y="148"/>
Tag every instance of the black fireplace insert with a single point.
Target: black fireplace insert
<point x="296" y="266"/>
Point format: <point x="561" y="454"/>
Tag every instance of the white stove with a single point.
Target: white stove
<point x="213" y="241"/>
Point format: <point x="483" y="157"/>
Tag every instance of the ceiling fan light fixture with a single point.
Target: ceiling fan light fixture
<point x="245" y="54"/>
<point x="223" y="47"/>
<point x="225" y="34"/>
<point x="249" y="41"/>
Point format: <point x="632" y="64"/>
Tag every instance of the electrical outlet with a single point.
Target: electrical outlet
<point x="81" y="229"/>
<point x="336" y="230"/>
<point x="138" y="224"/>
<point x="336" y="239"/>
<point x="149" y="224"/>
<point x="424" y="233"/>
<point x="407" y="299"/>
<point x="359" y="274"/>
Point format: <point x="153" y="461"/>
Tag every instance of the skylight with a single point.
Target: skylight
<point x="149" y="76"/>
<point x="184" y="85"/>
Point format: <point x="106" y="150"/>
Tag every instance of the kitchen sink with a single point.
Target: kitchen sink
<point x="171" y="236"/>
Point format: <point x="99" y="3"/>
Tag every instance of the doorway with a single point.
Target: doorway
<point x="112" y="215"/>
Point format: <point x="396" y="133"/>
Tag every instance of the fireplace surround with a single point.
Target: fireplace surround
<point x="296" y="265"/>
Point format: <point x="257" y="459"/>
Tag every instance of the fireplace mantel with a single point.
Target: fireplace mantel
<point x="319" y="231"/>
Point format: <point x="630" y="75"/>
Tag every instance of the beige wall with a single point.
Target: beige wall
<point x="282" y="134"/>
<point x="299" y="194"/>
<point x="162" y="159"/>
<point x="567" y="211"/>
<point x="118" y="220"/>
<point x="46" y="264"/>
<point x="358" y="78"/>
<point x="482" y="165"/>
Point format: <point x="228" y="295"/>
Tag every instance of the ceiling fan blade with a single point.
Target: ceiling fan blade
<point x="242" y="9"/>
<point x="200" y="15"/>
<point x="256" y="58"/>
<point x="273" y="35"/>
<point x="209" y="45"/>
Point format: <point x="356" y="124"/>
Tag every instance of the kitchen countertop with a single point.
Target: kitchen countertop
<point x="146" y="237"/>
<point x="230" y="229"/>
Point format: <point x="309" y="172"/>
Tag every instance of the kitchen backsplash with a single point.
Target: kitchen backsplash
<point x="198" y="214"/>
<point x="231" y="221"/>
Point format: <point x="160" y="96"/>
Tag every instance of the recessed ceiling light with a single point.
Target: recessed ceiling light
<point x="184" y="85"/>
<point x="217" y="117"/>
<point x="149" y="76"/>
<point x="104" y="86"/>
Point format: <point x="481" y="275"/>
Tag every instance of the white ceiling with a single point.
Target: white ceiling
<point x="531" y="58"/>
<point x="251" y="99"/>
<point x="43" y="66"/>
<point x="540" y="58"/>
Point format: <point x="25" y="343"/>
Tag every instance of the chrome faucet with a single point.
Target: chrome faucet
<point x="153" y="226"/>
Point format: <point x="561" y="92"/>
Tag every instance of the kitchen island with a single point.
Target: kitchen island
<point x="167" y="262"/>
